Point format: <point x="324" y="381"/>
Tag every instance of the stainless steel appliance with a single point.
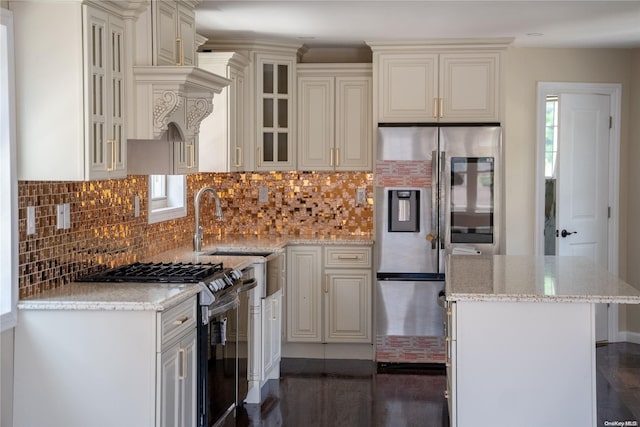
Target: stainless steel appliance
<point x="269" y="274"/>
<point x="437" y="191"/>
<point x="219" y="299"/>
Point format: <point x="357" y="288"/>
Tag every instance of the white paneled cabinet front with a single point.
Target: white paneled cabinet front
<point x="329" y="294"/>
<point x="347" y="306"/>
<point x="103" y="368"/>
<point x="334" y="117"/>
<point x="177" y="380"/>
<point x="438" y="86"/>
<point x="304" y="293"/>
<point x="70" y="96"/>
<point x="175" y="32"/>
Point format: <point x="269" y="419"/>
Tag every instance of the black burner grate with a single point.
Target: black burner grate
<point x="156" y="272"/>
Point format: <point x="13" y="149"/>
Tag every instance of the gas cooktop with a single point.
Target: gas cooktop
<point x="157" y="272"/>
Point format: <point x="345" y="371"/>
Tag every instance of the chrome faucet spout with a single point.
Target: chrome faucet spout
<point x="197" y="237"/>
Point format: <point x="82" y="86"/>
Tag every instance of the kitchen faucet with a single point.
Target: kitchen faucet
<point x="197" y="237"/>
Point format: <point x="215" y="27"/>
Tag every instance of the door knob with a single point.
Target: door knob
<point x="565" y="233"/>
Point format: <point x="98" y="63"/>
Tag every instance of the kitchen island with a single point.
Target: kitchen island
<point x="521" y="338"/>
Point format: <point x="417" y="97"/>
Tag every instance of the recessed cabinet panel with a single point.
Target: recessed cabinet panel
<point x="334" y="117"/>
<point x="470" y="89"/>
<point x="408" y="87"/>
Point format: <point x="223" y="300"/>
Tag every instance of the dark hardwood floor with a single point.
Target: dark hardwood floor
<point x="342" y="393"/>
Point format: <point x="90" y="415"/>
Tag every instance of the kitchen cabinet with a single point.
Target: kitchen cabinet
<point x="329" y="294"/>
<point x="174" y="29"/>
<point x="334" y="117"/>
<point x="275" y="107"/>
<point x="271" y="332"/>
<point x="430" y="84"/>
<point x="82" y="72"/>
<point x="178" y="398"/>
<point x="223" y="135"/>
<point x="140" y="361"/>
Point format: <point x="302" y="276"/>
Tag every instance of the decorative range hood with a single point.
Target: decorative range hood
<point x="182" y="95"/>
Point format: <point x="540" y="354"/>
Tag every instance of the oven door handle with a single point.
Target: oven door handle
<point x="224" y="304"/>
<point x="247" y="285"/>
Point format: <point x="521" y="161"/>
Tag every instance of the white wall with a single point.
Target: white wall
<point x="525" y="67"/>
<point x="633" y="207"/>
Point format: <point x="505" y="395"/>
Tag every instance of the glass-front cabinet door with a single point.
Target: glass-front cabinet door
<point x="275" y="145"/>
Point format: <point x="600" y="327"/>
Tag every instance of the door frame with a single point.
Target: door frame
<point x="614" y="91"/>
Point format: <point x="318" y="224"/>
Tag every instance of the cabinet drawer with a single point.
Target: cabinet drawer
<point x="349" y="256"/>
<point x="177" y="320"/>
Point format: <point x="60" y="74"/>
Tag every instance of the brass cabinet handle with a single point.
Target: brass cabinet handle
<point x="238" y="157"/>
<point x="181" y="364"/>
<point x="112" y="166"/>
<point x="181" y="320"/>
<point x="441" y="107"/>
<point x="337" y="157"/>
<point x="180" y="44"/>
<point x="349" y="257"/>
<point x="330" y="156"/>
<point x="192" y="156"/>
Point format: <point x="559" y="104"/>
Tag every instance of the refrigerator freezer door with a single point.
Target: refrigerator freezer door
<point x="409" y="308"/>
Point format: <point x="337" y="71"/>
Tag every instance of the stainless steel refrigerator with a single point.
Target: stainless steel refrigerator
<point x="437" y="191"/>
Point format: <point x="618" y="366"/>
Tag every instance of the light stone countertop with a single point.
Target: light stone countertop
<point x="162" y="296"/>
<point x="534" y="279"/>
<point x="111" y="296"/>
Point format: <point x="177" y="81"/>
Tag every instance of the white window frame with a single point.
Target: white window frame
<point x="173" y="205"/>
<point x="8" y="179"/>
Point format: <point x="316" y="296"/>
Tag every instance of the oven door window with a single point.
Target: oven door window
<point x="472" y="180"/>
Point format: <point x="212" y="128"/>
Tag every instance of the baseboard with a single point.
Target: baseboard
<point x="628" y="336"/>
<point x="327" y="351"/>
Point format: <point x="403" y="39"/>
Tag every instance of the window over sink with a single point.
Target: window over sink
<point x="167" y="197"/>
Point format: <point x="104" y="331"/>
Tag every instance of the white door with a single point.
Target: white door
<point x="583" y="183"/>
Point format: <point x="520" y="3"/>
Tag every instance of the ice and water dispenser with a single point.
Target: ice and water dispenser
<point x="404" y="210"/>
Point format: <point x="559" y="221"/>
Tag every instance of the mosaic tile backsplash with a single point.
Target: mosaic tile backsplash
<point x="105" y="232"/>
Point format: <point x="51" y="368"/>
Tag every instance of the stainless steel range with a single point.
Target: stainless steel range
<point x="219" y="300"/>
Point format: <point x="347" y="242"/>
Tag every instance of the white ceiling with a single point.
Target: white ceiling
<point x="335" y="23"/>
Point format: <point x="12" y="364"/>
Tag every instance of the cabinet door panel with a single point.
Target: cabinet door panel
<point x="189" y="398"/>
<point x="316" y="123"/>
<point x="348" y="306"/>
<point x="186" y="23"/>
<point x="470" y="89"/>
<point x="407" y="87"/>
<point x="169" y="387"/>
<point x="353" y="123"/>
<point x="166" y="36"/>
<point x="303" y="294"/>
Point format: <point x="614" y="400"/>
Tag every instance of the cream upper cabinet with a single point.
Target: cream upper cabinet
<point x="426" y="85"/>
<point x="223" y="142"/>
<point x="174" y="26"/>
<point x="334" y="117"/>
<point x="71" y="96"/>
<point x="407" y="87"/>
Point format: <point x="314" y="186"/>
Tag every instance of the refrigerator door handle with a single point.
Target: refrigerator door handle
<point x="433" y="236"/>
<point x="442" y="235"/>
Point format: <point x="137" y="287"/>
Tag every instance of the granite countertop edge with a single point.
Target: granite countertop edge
<point x="597" y="299"/>
<point x="113" y="300"/>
